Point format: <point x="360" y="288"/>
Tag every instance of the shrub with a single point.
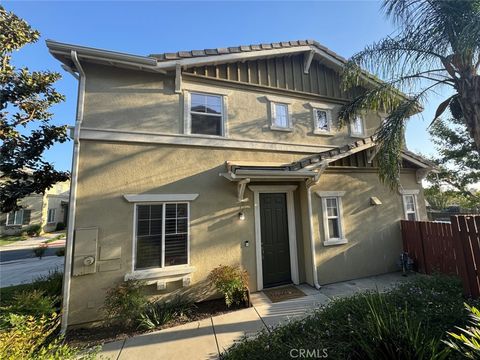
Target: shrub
<point x="124" y="303"/>
<point x="28" y="338"/>
<point x="60" y="252"/>
<point x="34" y="230"/>
<point x="60" y="226"/>
<point x="40" y="251"/>
<point x="158" y="313"/>
<point x="467" y="342"/>
<point x="232" y="282"/>
<point x="34" y="303"/>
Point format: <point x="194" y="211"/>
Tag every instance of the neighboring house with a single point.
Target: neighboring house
<point x="185" y="161"/>
<point x="47" y="210"/>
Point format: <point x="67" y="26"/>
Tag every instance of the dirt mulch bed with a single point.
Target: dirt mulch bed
<point x="87" y="337"/>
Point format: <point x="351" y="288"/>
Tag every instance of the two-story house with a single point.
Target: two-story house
<point x="185" y="161"/>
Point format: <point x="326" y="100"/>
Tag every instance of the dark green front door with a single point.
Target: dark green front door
<point x="275" y="245"/>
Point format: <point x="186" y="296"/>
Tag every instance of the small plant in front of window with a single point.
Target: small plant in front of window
<point x="125" y="303"/>
<point x="232" y="282"/>
<point x="34" y="230"/>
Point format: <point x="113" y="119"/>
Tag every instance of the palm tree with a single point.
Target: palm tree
<point x="437" y="45"/>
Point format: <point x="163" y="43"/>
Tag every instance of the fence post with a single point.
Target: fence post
<point x="421" y="225"/>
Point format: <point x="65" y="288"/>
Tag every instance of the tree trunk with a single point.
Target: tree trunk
<point x="469" y="99"/>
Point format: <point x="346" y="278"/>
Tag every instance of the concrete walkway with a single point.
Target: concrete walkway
<point x="207" y="338"/>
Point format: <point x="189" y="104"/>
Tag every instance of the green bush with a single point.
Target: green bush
<point x="60" y="226"/>
<point x="158" y="313"/>
<point x="34" y="303"/>
<point x="30" y="338"/>
<point x="232" y="282"/>
<point x="467" y="342"/>
<point x="406" y="322"/>
<point x="34" y="230"/>
<point x="60" y="252"/>
<point x="125" y="303"/>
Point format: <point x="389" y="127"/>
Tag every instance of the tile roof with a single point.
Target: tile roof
<point x="244" y="48"/>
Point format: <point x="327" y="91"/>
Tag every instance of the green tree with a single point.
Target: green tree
<point x="458" y="161"/>
<point x="437" y="45"/>
<point x="25" y="128"/>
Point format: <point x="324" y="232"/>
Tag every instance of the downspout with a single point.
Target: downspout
<point x="312" y="238"/>
<point x="73" y="193"/>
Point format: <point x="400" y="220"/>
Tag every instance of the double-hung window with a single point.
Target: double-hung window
<point x="162" y="235"/>
<point x="280" y="118"/>
<point x="357" y="127"/>
<point x="51" y="216"/>
<point x="206" y="114"/>
<point x="410" y="207"/>
<point x="322" y="121"/>
<point x="332" y="214"/>
<point x="15" y="218"/>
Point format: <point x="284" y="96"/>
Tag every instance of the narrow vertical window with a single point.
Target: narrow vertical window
<point x="357" y="127"/>
<point x="280" y="116"/>
<point x="410" y="207"/>
<point x="322" y="122"/>
<point x="51" y="216"/>
<point x="333" y="219"/>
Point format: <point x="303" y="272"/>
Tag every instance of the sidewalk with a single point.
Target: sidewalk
<point x="34" y="242"/>
<point x="207" y="338"/>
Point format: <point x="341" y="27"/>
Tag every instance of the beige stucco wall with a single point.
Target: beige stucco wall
<point x="33" y="203"/>
<point x="128" y="100"/>
<point x="54" y="197"/>
<point x="107" y="171"/>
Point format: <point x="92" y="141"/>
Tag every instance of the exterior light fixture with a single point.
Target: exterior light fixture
<point x="241" y="215"/>
<point x="375" y="201"/>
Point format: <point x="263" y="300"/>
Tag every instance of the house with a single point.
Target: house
<point x="184" y="161"/>
<point x="46" y="210"/>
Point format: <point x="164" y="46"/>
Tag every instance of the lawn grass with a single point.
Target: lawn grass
<point x="55" y="238"/>
<point x="407" y="322"/>
<point x="10" y="239"/>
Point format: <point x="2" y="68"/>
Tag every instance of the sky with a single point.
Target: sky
<point x="143" y="28"/>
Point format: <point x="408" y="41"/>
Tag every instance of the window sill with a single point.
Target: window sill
<point x="333" y="242"/>
<point x="14" y="225"/>
<point x="323" y="133"/>
<point x="359" y="136"/>
<point x="276" y="128"/>
<point x="170" y="271"/>
<point x="206" y="135"/>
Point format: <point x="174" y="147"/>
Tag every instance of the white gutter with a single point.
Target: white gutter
<point x="73" y="193"/>
<point x="312" y="238"/>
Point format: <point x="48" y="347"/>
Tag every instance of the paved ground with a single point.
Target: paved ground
<point x="24" y="249"/>
<point x="26" y="270"/>
<point x="207" y="338"/>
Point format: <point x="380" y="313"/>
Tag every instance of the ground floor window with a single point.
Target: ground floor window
<point x="332" y="215"/>
<point x="15" y="217"/>
<point x="162" y="234"/>
<point x="51" y="216"/>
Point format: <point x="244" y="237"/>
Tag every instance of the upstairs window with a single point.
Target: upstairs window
<point x="357" y="127"/>
<point x="322" y="121"/>
<point x="206" y="114"/>
<point x="162" y="235"/>
<point x="410" y="205"/>
<point x="280" y="118"/>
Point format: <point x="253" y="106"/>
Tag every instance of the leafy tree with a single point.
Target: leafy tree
<point x="458" y="161"/>
<point x="437" y="45"/>
<point x="25" y="128"/>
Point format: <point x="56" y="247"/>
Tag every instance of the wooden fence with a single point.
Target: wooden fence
<point x="452" y="249"/>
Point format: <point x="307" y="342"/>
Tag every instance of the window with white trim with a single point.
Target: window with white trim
<point x="162" y="235"/>
<point x="332" y="214"/>
<point x="410" y="207"/>
<point x="51" y="216"/>
<point x="206" y="114"/>
<point x="322" y="119"/>
<point x="357" y="127"/>
<point x="280" y="116"/>
<point x="15" y="218"/>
